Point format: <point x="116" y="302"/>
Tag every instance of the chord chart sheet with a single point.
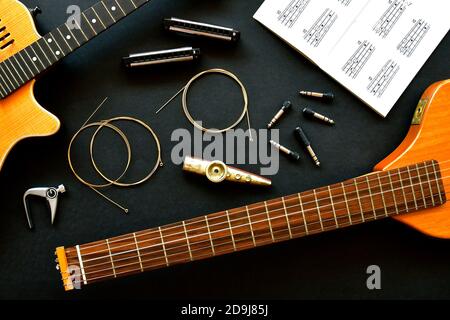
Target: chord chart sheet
<point x="376" y="46"/>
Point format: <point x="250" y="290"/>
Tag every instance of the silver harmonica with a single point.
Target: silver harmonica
<point x="161" y="57"/>
<point x="201" y="29"/>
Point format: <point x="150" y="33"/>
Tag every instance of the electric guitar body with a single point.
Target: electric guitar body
<point x="21" y="116"/>
<point x="428" y="138"/>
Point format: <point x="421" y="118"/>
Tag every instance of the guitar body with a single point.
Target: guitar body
<point x="428" y="138"/>
<point x="21" y="116"/>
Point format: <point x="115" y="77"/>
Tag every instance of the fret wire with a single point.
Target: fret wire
<point x="133" y="4"/>
<point x="79" y="28"/>
<point x="303" y="213"/>
<point x="6" y="76"/>
<point x="31" y="72"/>
<point x="287" y="217"/>
<point x="332" y="207"/>
<point x="57" y="44"/>
<point x="98" y="17"/>
<point x="20" y="67"/>
<point x="421" y="186"/>
<point x="371" y="198"/>
<point x="65" y="40"/>
<point x="89" y="23"/>
<point x="412" y="187"/>
<point x="50" y="48"/>
<point x="17" y="82"/>
<point x="382" y="195"/>
<point x="270" y="222"/>
<point x="187" y="240"/>
<point x="163" y="246"/>
<point x="72" y="34"/>
<point x="250" y="224"/>
<point x="359" y="200"/>
<point x="42" y="50"/>
<point x="277" y="209"/>
<point x="210" y="236"/>
<point x="120" y="7"/>
<point x="37" y="56"/>
<point x="16" y="71"/>
<point x="80" y="260"/>
<point x="231" y="229"/>
<point x="110" y="256"/>
<point x="318" y="210"/>
<point x="393" y="193"/>
<point x="183" y="260"/>
<point x="31" y="60"/>
<point x="3" y="80"/>
<point x="403" y="189"/>
<point x="346" y="202"/>
<point x="429" y="185"/>
<point x="106" y="8"/>
<point x="138" y="252"/>
<point x="437" y="182"/>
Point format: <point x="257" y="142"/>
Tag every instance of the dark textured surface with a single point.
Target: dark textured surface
<point x="331" y="265"/>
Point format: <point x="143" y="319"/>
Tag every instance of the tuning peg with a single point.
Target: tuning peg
<point x="34" y="12"/>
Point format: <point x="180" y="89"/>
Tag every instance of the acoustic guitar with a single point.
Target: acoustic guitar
<point x="409" y="185"/>
<point x="24" y="54"/>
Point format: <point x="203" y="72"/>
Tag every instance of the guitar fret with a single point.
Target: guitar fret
<point x="98" y="17"/>
<point x="138" y="252"/>
<point x="103" y="14"/>
<point x="12" y="75"/>
<point x="45" y="55"/>
<point x="11" y="88"/>
<point x="80" y="261"/>
<point x="346" y="203"/>
<point x="81" y="30"/>
<point x="133" y="4"/>
<point x="287" y="217"/>
<point x="163" y="246"/>
<point x="403" y="189"/>
<point x="22" y="75"/>
<point x="109" y="12"/>
<point x="303" y="213"/>
<point x="61" y="36"/>
<point x="429" y="185"/>
<point x="332" y="207"/>
<point x="127" y="6"/>
<point x="231" y="230"/>
<point x="421" y="187"/>
<point x="437" y="183"/>
<point x="94" y="21"/>
<point x="371" y="198"/>
<point x="318" y="210"/>
<point x="412" y="187"/>
<point x="382" y="195"/>
<point x="111" y="258"/>
<point x="210" y="236"/>
<point x="70" y="36"/>
<point x="187" y="240"/>
<point x="33" y="58"/>
<point x="50" y="40"/>
<point x="359" y="200"/>
<point x="393" y="192"/>
<point x="31" y="72"/>
<point x="269" y="221"/>
<point x="121" y="9"/>
<point x="251" y="226"/>
<point x="89" y="24"/>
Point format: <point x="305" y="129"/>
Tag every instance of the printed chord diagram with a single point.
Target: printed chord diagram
<point x="320" y="28"/>
<point x="292" y="12"/>
<point x="359" y="59"/>
<point x="345" y="3"/>
<point x="409" y="43"/>
<point x="379" y="84"/>
<point x="390" y="17"/>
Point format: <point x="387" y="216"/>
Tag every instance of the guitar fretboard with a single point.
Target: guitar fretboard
<point x="57" y="44"/>
<point x="367" y="198"/>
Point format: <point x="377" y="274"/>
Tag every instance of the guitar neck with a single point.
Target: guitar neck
<point x="367" y="198"/>
<point x="57" y="44"/>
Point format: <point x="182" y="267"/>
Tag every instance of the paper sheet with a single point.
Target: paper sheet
<point x="372" y="47"/>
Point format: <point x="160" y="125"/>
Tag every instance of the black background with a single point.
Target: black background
<point x="330" y="266"/>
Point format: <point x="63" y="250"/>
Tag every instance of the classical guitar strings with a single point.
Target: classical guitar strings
<point x="110" y="182"/>
<point x="196" y="124"/>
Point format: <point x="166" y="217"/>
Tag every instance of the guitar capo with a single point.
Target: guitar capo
<point x="50" y="194"/>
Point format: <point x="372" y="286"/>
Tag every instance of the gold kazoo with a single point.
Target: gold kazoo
<point x="217" y="171"/>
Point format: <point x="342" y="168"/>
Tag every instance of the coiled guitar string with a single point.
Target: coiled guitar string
<point x="107" y="123"/>
<point x="185" y="91"/>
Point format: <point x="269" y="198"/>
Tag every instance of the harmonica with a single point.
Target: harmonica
<point x="201" y="29"/>
<point x="161" y="57"/>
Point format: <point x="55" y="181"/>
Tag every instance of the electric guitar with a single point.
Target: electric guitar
<point x="24" y="54"/>
<point x="410" y="185"/>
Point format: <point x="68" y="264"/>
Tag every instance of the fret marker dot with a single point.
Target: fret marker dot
<point x="113" y="8"/>
<point x="94" y="20"/>
<point x="34" y="59"/>
<point x="58" y="53"/>
<point x="68" y="37"/>
<point x="49" y="40"/>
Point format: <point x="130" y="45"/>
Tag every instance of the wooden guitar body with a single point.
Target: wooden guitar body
<point x="428" y="138"/>
<point x="21" y="116"/>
